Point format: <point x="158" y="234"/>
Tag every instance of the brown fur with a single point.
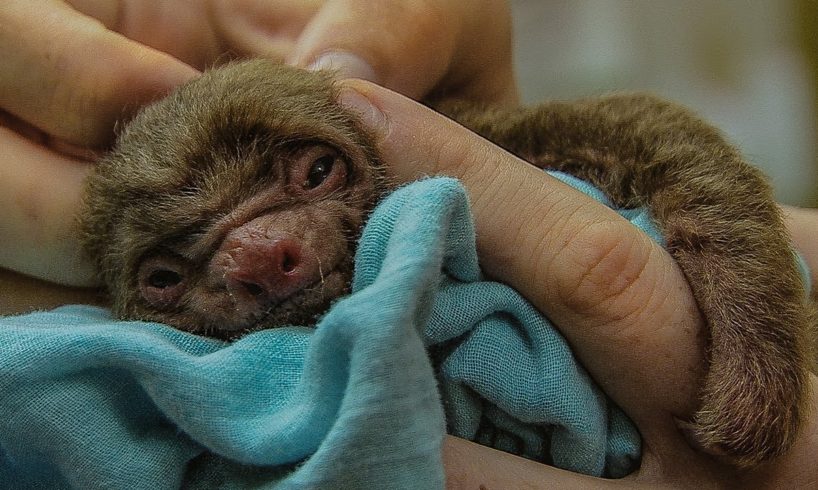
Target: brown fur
<point x="187" y="169"/>
<point x="184" y="167"/>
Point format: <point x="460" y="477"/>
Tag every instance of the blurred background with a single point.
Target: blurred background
<point x="750" y="67"/>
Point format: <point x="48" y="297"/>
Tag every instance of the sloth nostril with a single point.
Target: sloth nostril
<point x="289" y="263"/>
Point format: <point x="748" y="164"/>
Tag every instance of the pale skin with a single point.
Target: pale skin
<point x="71" y="69"/>
<point x="59" y="106"/>
<point x="639" y="338"/>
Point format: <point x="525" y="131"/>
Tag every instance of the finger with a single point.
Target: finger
<point x="40" y="192"/>
<point x="415" y="46"/>
<point x="619" y="299"/>
<point x="37" y="136"/>
<point x="21" y="294"/>
<point x="261" y="28"/>
<point x="469" y="465"/>
<point x="348" y="36"/>
<point x="180" y="29"/>
<point x="71" y="77"/>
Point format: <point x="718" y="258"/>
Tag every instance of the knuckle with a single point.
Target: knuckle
<point x="483" y="169"/>
<point x="457" y="156"/>
<point x="603" y="265"/>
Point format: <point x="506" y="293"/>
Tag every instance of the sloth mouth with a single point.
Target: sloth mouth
<point x="319" y="287"/>
<point x="301" y="308"/>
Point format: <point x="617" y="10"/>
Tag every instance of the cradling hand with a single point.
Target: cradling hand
<point x="618" y="298"/>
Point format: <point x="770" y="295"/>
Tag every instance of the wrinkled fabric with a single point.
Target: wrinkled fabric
<point x="422" y="346"/>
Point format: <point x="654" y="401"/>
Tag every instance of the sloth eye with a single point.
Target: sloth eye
<point x="320" y="169"/>
<point x="163" y="278"/>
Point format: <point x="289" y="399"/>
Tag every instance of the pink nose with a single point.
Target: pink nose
<point x="265" y="269"/>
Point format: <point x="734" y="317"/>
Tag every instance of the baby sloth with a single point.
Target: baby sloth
<point x="235" y="204"/>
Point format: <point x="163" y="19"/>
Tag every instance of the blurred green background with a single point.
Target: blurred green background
<point x="749" y="66"/>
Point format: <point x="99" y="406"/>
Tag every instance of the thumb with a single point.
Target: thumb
<point x="380" y="41"/>
<point x="618" y="297"/>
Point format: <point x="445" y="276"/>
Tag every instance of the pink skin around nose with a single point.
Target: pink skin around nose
<point x="261" y="269"/>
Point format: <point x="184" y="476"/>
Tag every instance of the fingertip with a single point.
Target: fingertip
<point x="329" y="42"/>
<point x="399" y="45"/>
<point x="355" y="95"/>
<point x="345" y="65"/>
<point x="409" y="135"/>
<point x="151" y="75"/>
<point x="413" y="139"/>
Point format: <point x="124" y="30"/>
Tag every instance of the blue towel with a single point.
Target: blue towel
<point x="363" y="400"/>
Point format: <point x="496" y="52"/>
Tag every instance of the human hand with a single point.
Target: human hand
<point x="618" y="298"/>
<point x="416" y="47"/>
<point x="65" y="80"/>
<point x="72" y="69"/>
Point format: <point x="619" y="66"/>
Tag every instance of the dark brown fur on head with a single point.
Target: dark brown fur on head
<point x="220" y="152"/>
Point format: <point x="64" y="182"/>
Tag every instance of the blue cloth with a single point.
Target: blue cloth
<point x="363" y="400"/>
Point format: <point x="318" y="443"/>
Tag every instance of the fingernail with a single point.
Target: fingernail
<point x="345" y="64"/>
<point x="358" y="103"/>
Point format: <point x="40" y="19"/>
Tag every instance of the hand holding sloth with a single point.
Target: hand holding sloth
<point x="235" y="204"/>
<point x="643" y="344"/>
<point x="605" y="345"/>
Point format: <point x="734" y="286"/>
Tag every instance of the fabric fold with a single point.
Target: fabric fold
<point x="422" y="345"/>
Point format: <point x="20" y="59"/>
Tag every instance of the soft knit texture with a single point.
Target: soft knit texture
<point x="423" y="345"/>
